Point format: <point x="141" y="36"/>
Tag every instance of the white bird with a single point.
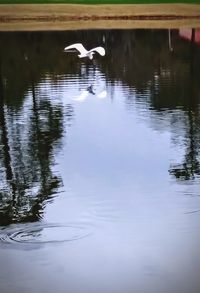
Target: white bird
<point x="83" y="52"/>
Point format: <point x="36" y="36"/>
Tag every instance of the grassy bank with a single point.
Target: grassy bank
<point x="64" y="16"/>
<point x="97" y="1"/>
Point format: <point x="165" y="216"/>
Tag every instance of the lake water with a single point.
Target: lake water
<point x="99" y="163"/>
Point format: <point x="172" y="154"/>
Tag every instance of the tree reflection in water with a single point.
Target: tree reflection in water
<point x="190" y="168"/>
<point x="29" y="137"/>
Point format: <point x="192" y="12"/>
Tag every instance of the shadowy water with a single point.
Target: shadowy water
<point x="99" y="163"/>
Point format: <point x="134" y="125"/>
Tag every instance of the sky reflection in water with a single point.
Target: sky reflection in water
<point x="99" y="173"/>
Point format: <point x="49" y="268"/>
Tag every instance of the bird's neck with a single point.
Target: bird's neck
<point x="90" y="55"/>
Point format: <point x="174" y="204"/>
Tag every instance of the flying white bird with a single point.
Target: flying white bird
<point x="83" y="52"/>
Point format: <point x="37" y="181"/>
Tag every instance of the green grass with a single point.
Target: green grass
<point x="96" y="1"/>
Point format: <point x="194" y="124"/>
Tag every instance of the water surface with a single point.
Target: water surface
<point x="99" y="163"/>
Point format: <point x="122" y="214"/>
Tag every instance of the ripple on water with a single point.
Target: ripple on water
<point x="37" y="234"/>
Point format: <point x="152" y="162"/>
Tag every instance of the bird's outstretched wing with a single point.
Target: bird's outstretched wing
<point x="99" y="50"/>
<point x="77" y="46"/>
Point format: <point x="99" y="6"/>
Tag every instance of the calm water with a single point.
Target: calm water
<point x="99" y="163"/>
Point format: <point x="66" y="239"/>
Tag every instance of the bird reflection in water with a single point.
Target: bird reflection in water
<point x="90" y="91"/>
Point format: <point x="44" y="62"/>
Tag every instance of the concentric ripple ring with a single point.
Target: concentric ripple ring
<point x="44" y="233"/>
